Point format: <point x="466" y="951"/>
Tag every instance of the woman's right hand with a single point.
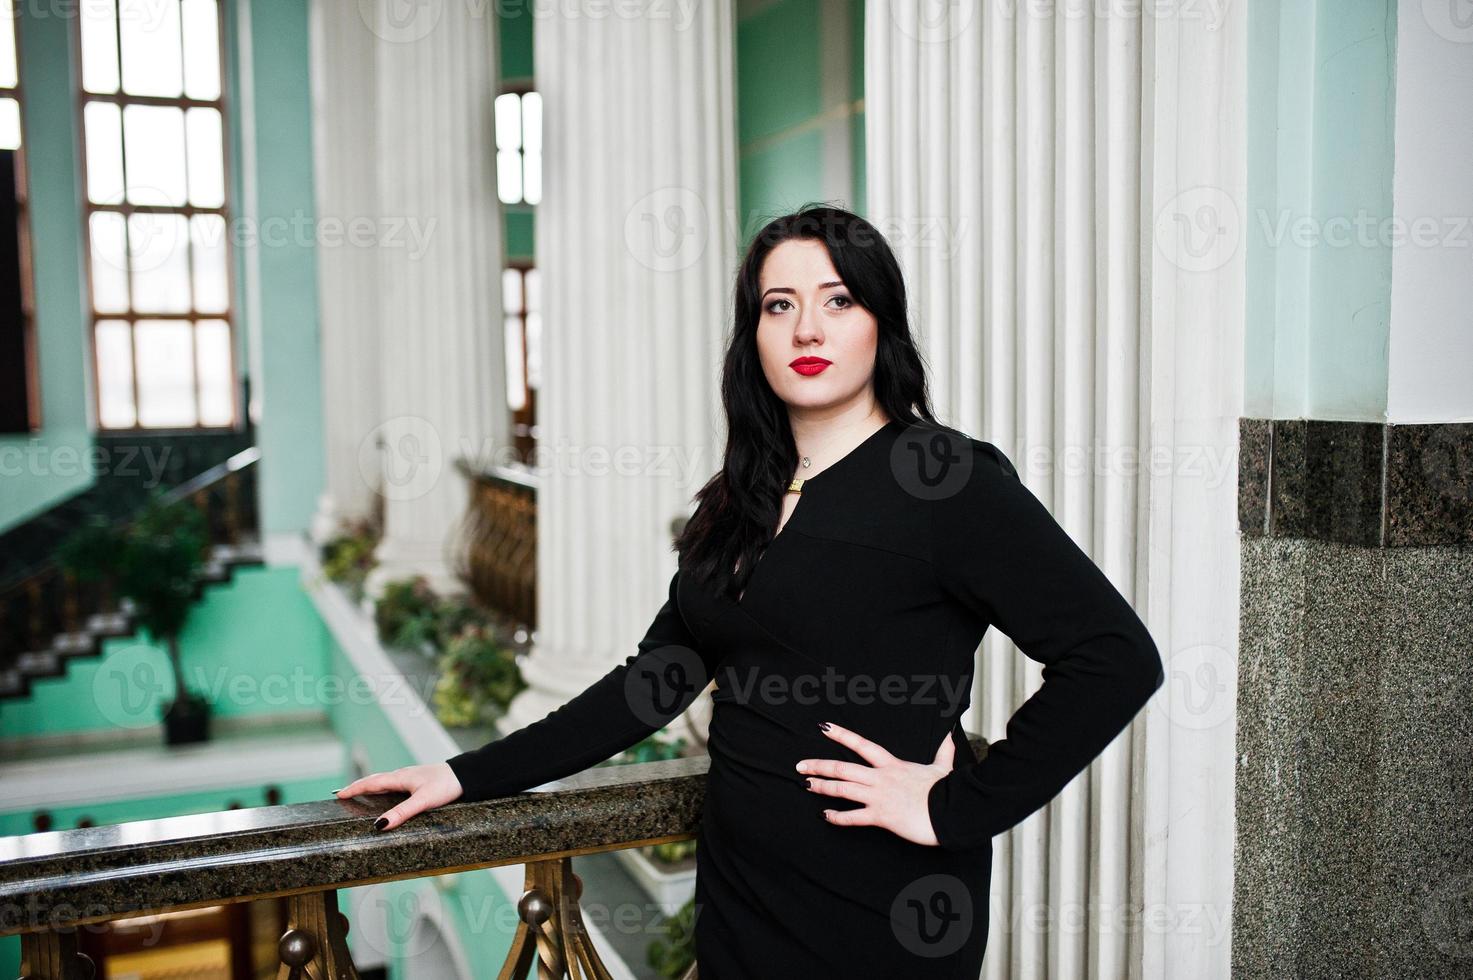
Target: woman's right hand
<point x="428" y="786"/>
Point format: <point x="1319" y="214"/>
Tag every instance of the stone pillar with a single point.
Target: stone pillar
<point x="441" y="360"/>
<point x="637" y="248"/>
<point x="344" y="136"/>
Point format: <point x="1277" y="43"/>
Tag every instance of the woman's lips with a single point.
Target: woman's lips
<point x="809" y="366"/>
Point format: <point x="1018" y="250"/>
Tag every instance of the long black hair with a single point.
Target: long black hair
<point x="739" y="507"/>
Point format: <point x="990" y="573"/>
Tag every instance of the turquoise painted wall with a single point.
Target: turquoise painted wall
<point x="279" y="261"/>
<point x="780" y="59"/>
<point x="255" y="646"/>
<point x="1321" y="85"/>
<point x="275" y="281"/>
<point x="40" y="469"/>
<point x="516" y="27"/>
<point x="247" y="625"/>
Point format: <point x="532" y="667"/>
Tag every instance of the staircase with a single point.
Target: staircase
<point x="48" y="619"/>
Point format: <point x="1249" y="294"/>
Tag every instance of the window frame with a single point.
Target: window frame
<point x="25" y="245"/>
<point x="225" y="106"/>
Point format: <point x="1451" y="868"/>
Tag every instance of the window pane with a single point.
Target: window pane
<point x="212" y="356"/>
<point x="534" y="291"/>
<point x="8" y="76"/>
<point x="152" y="58"/>
<point x="9" y="124"/>
<point x="206" y="158"/>
<point x="158" y="249"/>
<point x="114" y="352"/>
<point x="508" y="121"/>
<point x="532" y="122"/>
<point x="511" y="290"/>
<point x="201" y="49"/>
<point x="99" y="23"/>
<point x="509" y="175"/>
<point x="154" y="140"/>
<point x="209" y="255"/>
<point x="516" y="389"/>
<point x="534" y="351"/>
<point x="109" y="235"/>
<point x="165" y="373"/>
<point x="103" y="125"/>
<point x="532" y="167"/>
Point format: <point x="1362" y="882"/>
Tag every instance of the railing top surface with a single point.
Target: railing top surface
<point x="73" y="877"/>
<point x="70" y="877"/>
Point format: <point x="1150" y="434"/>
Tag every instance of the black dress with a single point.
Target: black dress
<point x="867" y="609"/>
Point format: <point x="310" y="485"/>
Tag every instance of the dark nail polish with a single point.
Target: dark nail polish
<point x="823" y="726"/>
<point x="380" y="823"/>
<point x="808" y="782"/>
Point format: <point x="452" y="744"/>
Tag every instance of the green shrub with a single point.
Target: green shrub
<point x="673" y="955"/>
<point x="405" y="613"/>
<point x="478" y="673"/>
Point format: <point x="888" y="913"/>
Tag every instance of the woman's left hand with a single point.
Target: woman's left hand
<point x="895" y="792"/>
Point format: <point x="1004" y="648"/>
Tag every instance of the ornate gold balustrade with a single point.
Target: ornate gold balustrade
<point x="53" y="883"/>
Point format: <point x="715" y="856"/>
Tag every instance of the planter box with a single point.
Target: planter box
<point x="668" y="885"/>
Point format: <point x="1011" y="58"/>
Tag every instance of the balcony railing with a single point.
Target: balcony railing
<point x="53" y="883"/>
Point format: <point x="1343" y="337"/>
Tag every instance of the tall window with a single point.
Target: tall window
<point x="20" y="393"/>
<point x="522" y="327"/>
<point x="519" y="147"/>
<point x="156" y="213"/>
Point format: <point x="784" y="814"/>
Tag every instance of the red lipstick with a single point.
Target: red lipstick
<point x="809" y="366"/>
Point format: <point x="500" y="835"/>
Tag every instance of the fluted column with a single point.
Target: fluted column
<point x="637" y="246"/>
<point x="1009" y="146"/>
<point x="441" y="367"/>
<point x="344" y="137"/>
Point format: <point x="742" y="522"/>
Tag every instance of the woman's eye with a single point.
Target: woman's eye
<point x="845" y="303"/>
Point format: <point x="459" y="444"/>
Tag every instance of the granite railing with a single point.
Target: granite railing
<point x="53" y="883"/>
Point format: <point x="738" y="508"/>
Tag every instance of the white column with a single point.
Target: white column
<point x="637" y="246"/>
<point x="1005" y="147"/>
<point x="438" y="294"/>
<point x="344" y="137"/>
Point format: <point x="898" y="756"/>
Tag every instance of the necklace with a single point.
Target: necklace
<point x="795" y="485"/>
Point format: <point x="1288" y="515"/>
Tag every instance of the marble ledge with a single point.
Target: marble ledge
<point x="73" y="877"/>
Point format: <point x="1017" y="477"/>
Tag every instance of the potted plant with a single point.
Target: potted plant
<point x="405" y="614"/>
<point x="154" y="563"/>
<point x="349" y="557"/>
<point x="673" y="955"/>
<point x="477" y="673"/>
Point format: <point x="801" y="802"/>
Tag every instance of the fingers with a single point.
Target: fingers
<point x="395" y="816"/>
<point x="838" y="769"/>
<point x="379" y="782"/>
<point x="834" y="787"/>
<point x="861" y="817"/>
<point x="871" y="752"/>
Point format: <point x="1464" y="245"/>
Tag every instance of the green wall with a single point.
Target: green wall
<point x="1321" y="84"/>
<point x="255" y="644"/>
<point x="270" y="153"/>
<point x="781" y="59"/>
<point x="38" y="470"/>
<point x="278" y="265"/>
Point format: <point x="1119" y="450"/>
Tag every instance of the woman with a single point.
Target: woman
<point x="847" y="830"/>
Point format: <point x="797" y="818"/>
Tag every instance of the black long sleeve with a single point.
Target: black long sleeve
<point x="631" y="702"/>
<point x="997" y="549"/>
